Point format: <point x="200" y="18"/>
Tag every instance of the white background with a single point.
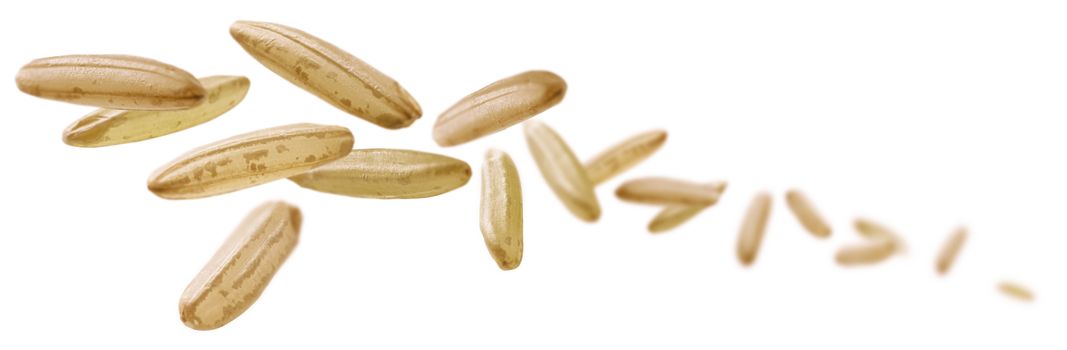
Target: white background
<point x="924" y="115"/>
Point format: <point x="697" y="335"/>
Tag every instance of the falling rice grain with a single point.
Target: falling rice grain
<point x="624" y="155"/>
<point x="951" y="250"/>
<point x="752" y="229"/>
<point x="667" y="191"/>
<point x="673" y="216"/>
<point x="562" y="171"/>
<point x="1016" y="291"/>
<point x="806" y="213"/>
<point x="501" y="215"/>
<point x="866" y="253"/>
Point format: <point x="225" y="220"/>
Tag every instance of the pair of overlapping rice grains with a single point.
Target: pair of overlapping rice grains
<point x="313" y="156"/>
<point x="105" y="127"/>
<point x="682" y="199"/>
<point x="141" y="98"/>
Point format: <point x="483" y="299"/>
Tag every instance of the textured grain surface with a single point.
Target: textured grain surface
<point x="624" y="155"/>
<point x="667" y="191"/>
<point x="806" y="213"/>
<point x="561" y="169"/>
<point x="1016" y="290"/>
<point x="250" y="159"/>
<point x="105" y="127"/>
<point x="111" y="81"/>
<point x="328" y="72"/>
<point x="387" y="174"/>
<point x="241" y="269"/>
<point x="501" y="209"/>
<point x="866" y="253"/>
<point x="675" y="215"/>
<point x="950" y="250"/>
<point x="752" y="228"/>
<point x="498" y="106"/>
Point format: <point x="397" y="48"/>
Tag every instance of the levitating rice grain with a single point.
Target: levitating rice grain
<point x="106" y="127"/>
<point x="874" y="231"/>
<point x="111" y="81"/>
<point x="1016" y="291"/>
<point x="250" y="159"/>
<point x="752" y="229"/>
<point x="501" y="214"/>
<point x="866" y="253"/>
<point x="387" y="174"/>
<point x="498" y="106"/>
<point x="624" y="155"/>
<point x="806" y="213"/>
<point x="667" y="191"/>
<point x="243" y="266"/>
<point x="562" y="171"/>
<point x="950" y="250"/>
<point x="328" y="72"/>
<point x="675" y="215"/>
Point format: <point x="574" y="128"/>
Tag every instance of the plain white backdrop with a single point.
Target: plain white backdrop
<point x="924" y="115"/>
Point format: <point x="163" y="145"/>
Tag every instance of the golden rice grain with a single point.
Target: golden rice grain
<point x="806" y="213"/>
<point x="624" y="155"/>
<point x="950" y="250"/>
<point x="1017" y="291"/>
<point x="241" y="269"/>
<point x="250" y="159"/>
<point x="667" y="191"/>
<point x="328" y="72"/>
<point x="498" y="106"/>
<point x="866" y="253"/>
<point x="501" y="214"/>
<point x="387" y="174"/>
<point x="753" y="227"/>
<point x="562" y="171"/>
<point x="111" y="81"/>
